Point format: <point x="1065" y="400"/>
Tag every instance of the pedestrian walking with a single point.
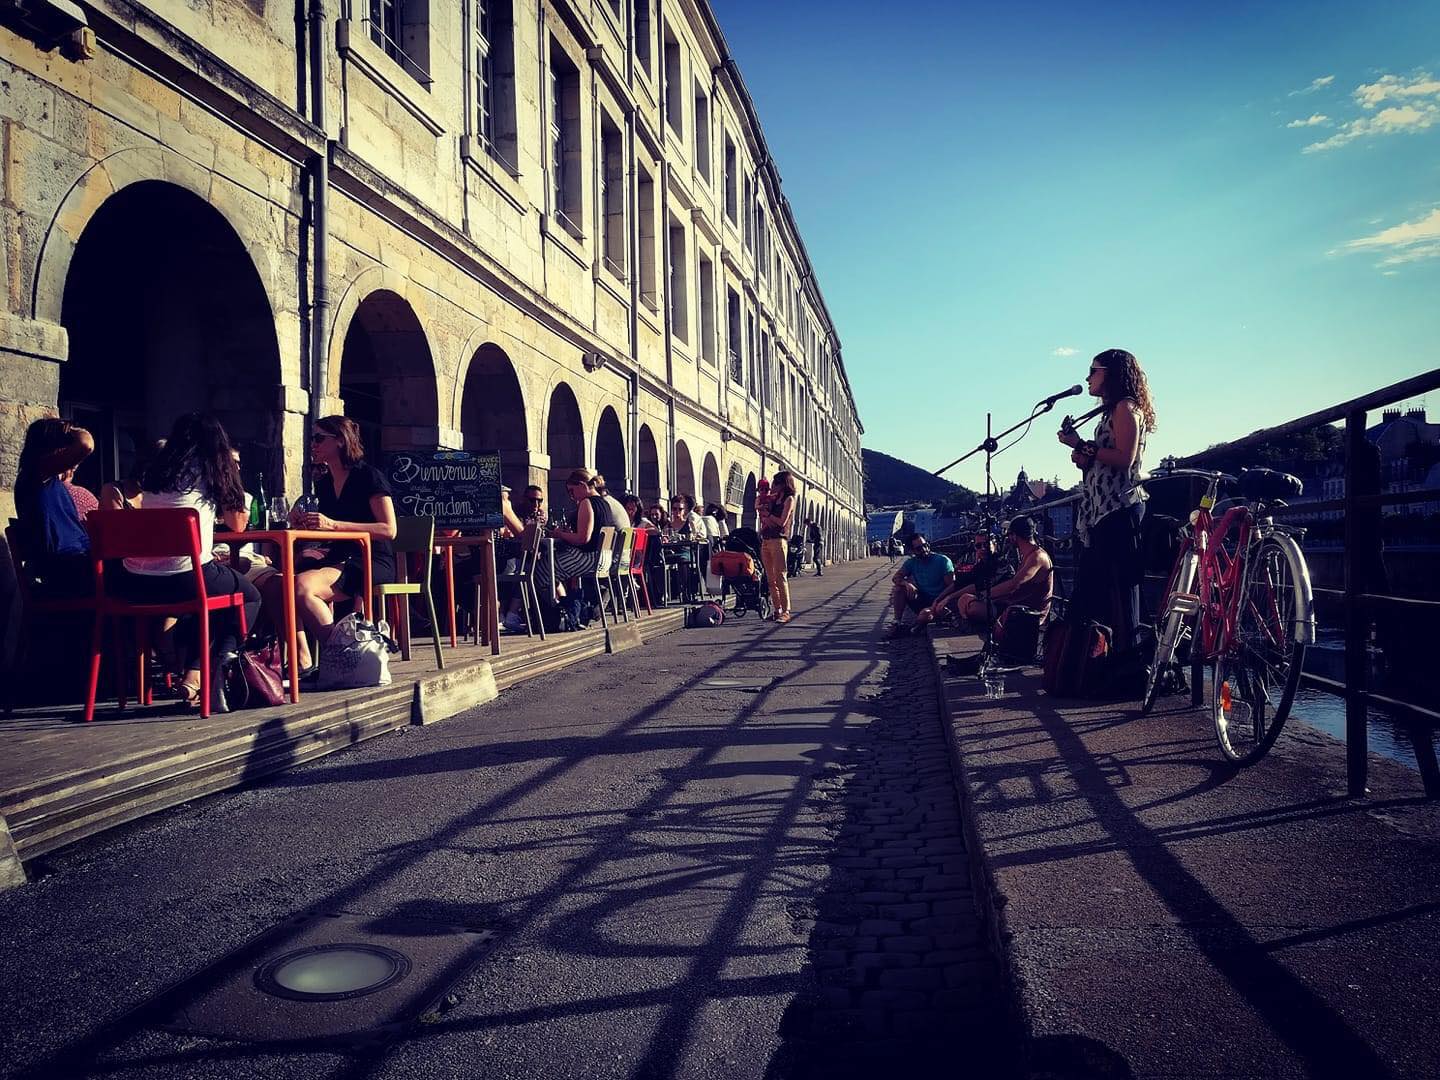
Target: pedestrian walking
<point x="816" y="541"/>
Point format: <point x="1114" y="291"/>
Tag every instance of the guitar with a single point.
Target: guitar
<point x="1070" y="423"/>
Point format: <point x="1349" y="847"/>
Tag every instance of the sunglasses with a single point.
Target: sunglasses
<point x="1093" y="370"/>
<point x="319" y="437"/>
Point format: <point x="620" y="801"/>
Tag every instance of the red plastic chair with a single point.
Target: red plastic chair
<point x="33" y="603"/>
<point x="637" y="570"/>
<point x="149" y="534"/>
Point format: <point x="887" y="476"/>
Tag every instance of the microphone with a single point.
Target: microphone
<point x="1071" y="392"/>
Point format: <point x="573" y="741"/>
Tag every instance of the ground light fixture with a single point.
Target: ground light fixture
<point x="335" y="972"/>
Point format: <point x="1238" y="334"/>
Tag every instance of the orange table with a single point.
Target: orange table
<point x="285" y="540"/>
<point x="488" y="619"/>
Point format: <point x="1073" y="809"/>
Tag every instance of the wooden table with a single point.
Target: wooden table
<point x="487" y="618"/>
<point x="285" y="540"/>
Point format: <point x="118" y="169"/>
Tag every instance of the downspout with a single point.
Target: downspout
<point x="320" y="177"/>
<point x="663" y="225"/>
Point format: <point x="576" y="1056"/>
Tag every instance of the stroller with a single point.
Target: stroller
<point x="740" y="571"/>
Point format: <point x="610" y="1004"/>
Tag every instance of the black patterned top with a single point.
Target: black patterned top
<point x="1108" y="488"/>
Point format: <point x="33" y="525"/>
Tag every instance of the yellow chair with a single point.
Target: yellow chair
<point x="413" y="536"/>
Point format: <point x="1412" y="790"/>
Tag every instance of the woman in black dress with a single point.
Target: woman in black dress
<point x="354" y="496"/>
<point x="577" y="551"/>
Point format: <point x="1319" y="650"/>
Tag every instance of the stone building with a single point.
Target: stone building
<point x="551" y="227"/>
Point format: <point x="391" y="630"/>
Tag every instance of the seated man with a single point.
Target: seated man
<point x="982" y="566"/>
<point x="920" y="579"/>
<point x="1030" y="587"/>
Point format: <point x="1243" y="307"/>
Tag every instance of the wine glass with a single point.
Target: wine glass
<point x="279" y="511"/>
<point x="306" y="504"/>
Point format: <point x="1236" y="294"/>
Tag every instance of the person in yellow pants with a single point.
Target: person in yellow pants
<point x="777" y="521"/>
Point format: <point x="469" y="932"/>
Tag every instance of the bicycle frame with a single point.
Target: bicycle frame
<point x="1220" y="587"/>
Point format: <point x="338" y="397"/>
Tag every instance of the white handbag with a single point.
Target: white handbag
<point x="356" y="655"/>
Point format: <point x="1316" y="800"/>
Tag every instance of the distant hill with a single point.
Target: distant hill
<point x="890" y="482"/>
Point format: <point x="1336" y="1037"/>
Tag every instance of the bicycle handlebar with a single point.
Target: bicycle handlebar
<point x="1200" y="474"/>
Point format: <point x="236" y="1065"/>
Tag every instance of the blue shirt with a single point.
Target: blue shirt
<point x="52" y="522"/>
<point x="928" y="573"/>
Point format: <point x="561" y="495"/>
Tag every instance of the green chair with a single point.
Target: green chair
<point x="413" y="536"/>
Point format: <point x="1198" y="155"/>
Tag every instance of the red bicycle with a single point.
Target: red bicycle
<point x="1240" y="594"/>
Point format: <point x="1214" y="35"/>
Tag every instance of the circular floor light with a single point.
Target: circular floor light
<point x="332" y="972"/>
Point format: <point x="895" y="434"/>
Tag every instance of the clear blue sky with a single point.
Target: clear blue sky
<point x="1253" y="188"/>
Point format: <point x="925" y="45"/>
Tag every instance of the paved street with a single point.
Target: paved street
<point x="761" y="878"/>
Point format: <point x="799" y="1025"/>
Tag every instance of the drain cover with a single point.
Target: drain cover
<point x="755" y="685"/>
<point x="324" y="978"/>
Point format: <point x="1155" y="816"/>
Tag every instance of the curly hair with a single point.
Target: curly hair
<point x="1124" y="379"/>
<point x="197" y="456"/>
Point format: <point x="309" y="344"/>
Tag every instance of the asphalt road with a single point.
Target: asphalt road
<point x="759" y="879"/>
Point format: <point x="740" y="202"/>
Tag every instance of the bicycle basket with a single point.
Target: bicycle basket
<point x="1267" y="485"/>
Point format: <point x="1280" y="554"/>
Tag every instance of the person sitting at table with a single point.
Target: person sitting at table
<point x="196" y="470"/>
<point x="354" y="496"/>
<point x="577" y="551"/>
<point x="47" y="516"/>
<point x="532" y="507"/>
<point x="720" y="528"/>
<point x="128" y="494"/>
<point x="635" y="511"/>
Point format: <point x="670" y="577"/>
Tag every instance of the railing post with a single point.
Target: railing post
<point x="1359" y="481"/>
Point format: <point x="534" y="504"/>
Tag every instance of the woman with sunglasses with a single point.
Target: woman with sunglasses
<point x="1112" y="500"/>
<point x="353" y="496"/>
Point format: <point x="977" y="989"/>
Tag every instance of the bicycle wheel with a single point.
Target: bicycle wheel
<point x="1258" y="676"/>
<point x="1174" y="615"/>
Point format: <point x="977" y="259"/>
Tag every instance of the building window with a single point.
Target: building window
<point x="707" y="307"/>
<point x="674" y="90"/>
<point x="702" y="133"/>
<point x="754" y="364"/>
<point x="679" y="292"/>
<point x="565" y="164"/>
<point x="762" y="241"/>
<point x="749" y="342"/>
<point x="612" y="197"/>
<point x="401" y="28"/>
<point x="731" y="197"/>
<point x="734" y="343"/>
<point x="640" y="20"/>
<point x="493" y="31"/>
<point x="749" y="209"/>
<point x="645" y="206"/>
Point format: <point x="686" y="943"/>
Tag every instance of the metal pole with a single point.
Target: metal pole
<point x="1357" y="524"/>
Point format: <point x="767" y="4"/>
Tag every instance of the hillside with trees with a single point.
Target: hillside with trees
<point x="892" y="482"/>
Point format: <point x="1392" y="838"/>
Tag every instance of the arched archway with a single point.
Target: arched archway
<point x="710" y="481"/>
<point x="564" y="442"/>
<point x="387" y="376"/>
<point x="492" y="414"/>
<point x="649" y="481"/>
<point x="748" y="516"/>
<point x="610" y="452"/>
<point x="684" y="471"/>
<point x="166" y="314"/>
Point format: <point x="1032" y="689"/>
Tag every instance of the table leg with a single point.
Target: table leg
<point x="369" y="576"/>
<point x="292" y="637"/>
<point x="450" y="590"/>
<point x="492" y="588"/>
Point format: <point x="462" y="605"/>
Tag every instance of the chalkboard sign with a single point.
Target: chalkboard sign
<point x="458" y="488"/>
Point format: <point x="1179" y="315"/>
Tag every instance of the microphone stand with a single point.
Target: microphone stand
<point x="990" y="448"/>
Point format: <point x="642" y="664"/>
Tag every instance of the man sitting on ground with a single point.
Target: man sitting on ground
<point x="969" y="579"/>
<point x="920" y="579"/>
<point x="1030" y="587"/>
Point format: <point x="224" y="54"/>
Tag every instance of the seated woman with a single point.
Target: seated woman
<point x="57" y="546"/>
<point x="577" y="551"/>
<point x="196" y="470"/>
<point x="719" y="527"/>
<point x="354" y="496"/>
<point x="635" y="510"/>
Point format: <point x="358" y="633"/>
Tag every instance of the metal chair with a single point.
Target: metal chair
<point x="523" y="578"/>
<point x="413" y="536"/>
<point x="601" y="573"/>
<point x="34" y="602"/>
<point x="620" y="569"/>
<point x="637" y="572"/>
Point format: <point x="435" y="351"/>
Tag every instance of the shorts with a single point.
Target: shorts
<point x="919" y="601"/>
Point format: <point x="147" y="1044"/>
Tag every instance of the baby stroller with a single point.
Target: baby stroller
<point x="740" y="572"/>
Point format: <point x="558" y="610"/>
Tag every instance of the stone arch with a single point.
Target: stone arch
<point x="710" y="490"/>
<point x="492" y="414"/>
<point x="610" y="451"/>
<point x="748" y="513"/>
<point x="166" y="313"/>
<point x="564" y="440"/>
<point x="684" y="471"/>
<point x="648" y="482"/>
<point x="386" y="374"/>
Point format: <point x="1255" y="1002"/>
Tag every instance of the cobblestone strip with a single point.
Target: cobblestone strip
<point x="902" y="976"/>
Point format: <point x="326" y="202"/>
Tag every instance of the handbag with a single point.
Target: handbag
<point x="1075" y="655"/>
<point x="356" y="655"/>
<point x="263" y="682"/>
<point x="1017" y="632"/>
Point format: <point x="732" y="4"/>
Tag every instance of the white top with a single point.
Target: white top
<point x="719" y="528"/>
<point x="174" y="500"/>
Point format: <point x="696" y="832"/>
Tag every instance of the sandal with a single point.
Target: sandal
<point x="188" y="695"/>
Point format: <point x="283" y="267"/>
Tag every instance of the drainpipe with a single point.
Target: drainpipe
<point x="320" y="177"/>
<point x="663" y="225"/>
<point x="632" y="201"/>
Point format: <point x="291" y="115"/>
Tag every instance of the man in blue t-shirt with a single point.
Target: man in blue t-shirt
<point x="921" y="578"/>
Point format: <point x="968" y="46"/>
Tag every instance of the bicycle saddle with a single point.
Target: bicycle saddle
<point x="1268" y="485"/>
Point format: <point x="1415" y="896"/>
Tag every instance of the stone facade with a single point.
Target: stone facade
<point x="547" y="226"/>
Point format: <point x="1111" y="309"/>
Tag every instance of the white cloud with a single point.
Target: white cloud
<point x="1414" y="105"/>
<point x="1314" y="120"/>
<point x="1408" y="242"/>
<point x="1064" y="351"/>
<point x="1316" y="84"/>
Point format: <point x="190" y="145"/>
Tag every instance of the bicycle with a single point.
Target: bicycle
<point x="1240" y="592"/>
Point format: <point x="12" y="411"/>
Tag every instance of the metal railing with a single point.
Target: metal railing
<point x="391" y="48"/>
<point x="1362" y="506"/>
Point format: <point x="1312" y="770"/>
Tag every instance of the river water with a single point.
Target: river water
<point x="1326" y="712"/>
